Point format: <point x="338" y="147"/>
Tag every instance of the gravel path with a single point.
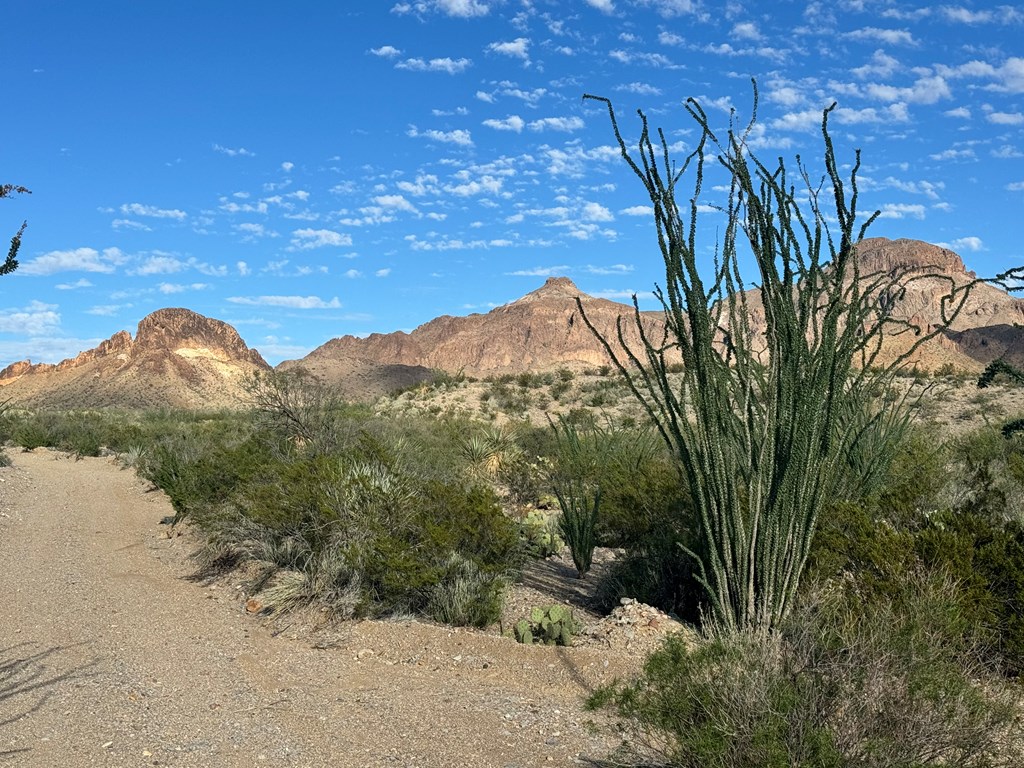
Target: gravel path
<point x="111" y="656"/>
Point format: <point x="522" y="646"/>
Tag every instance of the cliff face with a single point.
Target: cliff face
<point x="178" y="358"/>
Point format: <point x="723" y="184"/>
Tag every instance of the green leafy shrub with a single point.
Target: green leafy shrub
<point x="900" y="685"/>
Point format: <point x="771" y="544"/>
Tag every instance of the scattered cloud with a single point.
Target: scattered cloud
<point x="460" y="137"/>
<point x="290" y="302"/>
<point x="612" y="269"/>
<point x="902" y="211"/>
<point x="239" y="152"/>
<point x="890" y="36"/>
<point x="564" y="124"/>
<point x="386" y="52"/>
<point x="76" y="260"/>
<point x="382" y="272"/>
<point x="447" y="65"/>
<point x="967" y="244"/>
<point x="1005" y="118"/>
<point x="641" y="89"/>
<point x="35" y="319"/>
<point x="307" y="239"/>
<point x="638" y="210"/>
<point x="138" y="209"/>
<point x="604" y="6"/>
<point x="561" y="269"/>
<point x="518" y="48"/>
<point x="511" y="123"/>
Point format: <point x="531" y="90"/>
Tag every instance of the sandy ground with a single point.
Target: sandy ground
<point x="111" y="656"/>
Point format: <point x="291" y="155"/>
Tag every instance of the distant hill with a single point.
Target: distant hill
<point x="178" y="359"/>
<point x="181" y="359"/>
<point x="541" y="330"/>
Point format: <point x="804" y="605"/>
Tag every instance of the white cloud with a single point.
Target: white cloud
<point x="561" y="269"/>
<point x="254" y="230"/>
<point x="424" y="183"/>
<point x="353" y="274"/>
<point x="926" y="90"/>
<point x="967" y="244"/>
<point x="1007" y="151"/>
<point x="168" y="288"/>
<point x="881" y="65"/>
<point x="901" y="211"/>
<point x="138" y="226"/>
<point x="1015" y="186"/>
<point x="596" y="212"/>
<point x="240" y="152"/>
<point x="396" y="203"/>
<point x="306" y="239"/>
<point x="386" y="52"/>
<point x="565" y="124"/>
<point x="287" y="167"/>
<point x="670" y="38"/>
<point x="80" y="283"/>
<point x="159" y="264"/>
<point x="746" y="30"/>
<point x="510" y="123"/>
<point x="138" y="209"/>
<point x="459" y="137"/>
<point x="1005" y="118"/>
<point x="382" y="272"/>
<point x="890" y="36"/>
<point x="612" y="269"/>
<point x="37" y="319"/>
<point x="447" y="65"/>
<point x="671" y="8"/>
<point x="642" y="89"/>
<point x="465" y="9"/>
<point x="291" y="302"/>
<point x="961" y="112"/>
<point x="77" y="260"/>
<point x="605" y="6"/>
<point x="638" y="210"/>
<point x="243" y="268"/>
<point x="518" y="48"/>
<point x="954" y="154"/>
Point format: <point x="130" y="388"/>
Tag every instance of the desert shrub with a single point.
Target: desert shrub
<point x="379" y="523"/>
<point x="972" y="532"/>
<point x="901" y="686"/>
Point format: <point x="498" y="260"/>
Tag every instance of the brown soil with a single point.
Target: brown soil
<point x="110" y="654"/>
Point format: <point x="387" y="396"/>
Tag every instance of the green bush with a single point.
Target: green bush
<point x="900" y="685"/>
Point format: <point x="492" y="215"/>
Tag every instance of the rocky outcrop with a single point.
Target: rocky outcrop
<point x="178" y="359"/>
<point x="544" y="329"/>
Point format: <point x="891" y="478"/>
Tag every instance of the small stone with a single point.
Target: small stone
<point x="108" y="745"/>
<point x="252" y="605"/>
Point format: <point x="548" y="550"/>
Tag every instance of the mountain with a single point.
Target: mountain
<point x="541" y="330"/>
<point x="544" y="329"/>
<point x="178" y="359"/>
<point x="990" y="324"/>
<point x="181" y="359"/>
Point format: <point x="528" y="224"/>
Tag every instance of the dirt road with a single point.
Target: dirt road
<point x="111" y="656"/>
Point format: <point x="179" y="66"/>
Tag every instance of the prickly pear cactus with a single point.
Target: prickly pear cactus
<point x="554" y="625"/>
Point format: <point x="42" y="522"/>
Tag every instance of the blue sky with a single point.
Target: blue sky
<point x="312" y="169"/>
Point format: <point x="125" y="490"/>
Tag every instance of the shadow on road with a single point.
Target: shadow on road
<point x="28" y="677"/>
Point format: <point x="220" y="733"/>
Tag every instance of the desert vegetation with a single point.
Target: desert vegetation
<point x="852" y="572"/>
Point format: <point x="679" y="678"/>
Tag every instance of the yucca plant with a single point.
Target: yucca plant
<point x="762" y="422"/>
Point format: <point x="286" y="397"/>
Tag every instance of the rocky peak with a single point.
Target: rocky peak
<point x="880" y="254"/>
<point x="553" y="288"/>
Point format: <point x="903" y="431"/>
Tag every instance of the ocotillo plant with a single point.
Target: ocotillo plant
<point x="762" y="423"/>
